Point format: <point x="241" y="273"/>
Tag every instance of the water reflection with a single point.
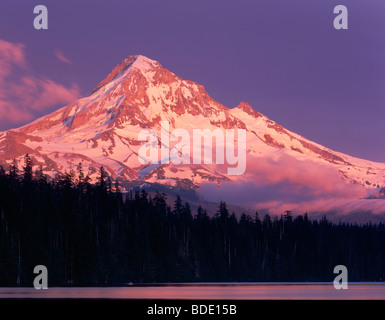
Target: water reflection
<point x="362" y="291"/>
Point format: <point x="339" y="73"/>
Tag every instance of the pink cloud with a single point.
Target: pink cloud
<point x="60" y="55"/>
<point x="22" y="97"/>
<point x="343" y="206"/>
<point x="322" y="179"/>
<point x="287" y="183"/>
<point x="11" y="55"/>
<point x="39" y="94"/>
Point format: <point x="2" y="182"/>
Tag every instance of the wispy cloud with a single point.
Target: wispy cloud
<point x="11" y="54"/>
<point x="277" y="185"/>
<point x="60" y="55"/>
<point x="22" y="94"/>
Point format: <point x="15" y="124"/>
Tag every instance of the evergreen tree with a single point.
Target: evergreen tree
<point x="102" y="178"/>
<point x="107" y="238"/>
<point x="28" y="167"/>
<point x="14" y="169"/>
<point x="2" y="171"/>
<point x="222" y="212"/>
<point x="39" y="174"/>
<point x="80" y="179"/>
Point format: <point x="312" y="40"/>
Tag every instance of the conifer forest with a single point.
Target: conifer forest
<point x="95" y="235"/>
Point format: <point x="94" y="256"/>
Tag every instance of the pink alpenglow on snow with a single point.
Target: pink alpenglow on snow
<point x="189" y="150"/>
<point x="141" y="104"/>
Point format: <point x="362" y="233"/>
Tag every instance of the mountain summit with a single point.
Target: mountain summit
<point x="138" y="61"/>
<point x="102" y="130"/>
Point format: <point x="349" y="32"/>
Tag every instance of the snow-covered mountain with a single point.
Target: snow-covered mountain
<point x="102" y="130"/>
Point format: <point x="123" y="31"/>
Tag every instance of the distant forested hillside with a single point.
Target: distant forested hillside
<point x="92" y="235"/>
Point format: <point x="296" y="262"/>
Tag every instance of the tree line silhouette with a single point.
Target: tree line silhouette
<point x="94" y="235"/>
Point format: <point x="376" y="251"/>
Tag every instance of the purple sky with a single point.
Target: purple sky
<point x="282" y="56"/>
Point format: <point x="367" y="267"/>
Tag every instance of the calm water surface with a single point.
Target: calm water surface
<point x="246" y="291"/>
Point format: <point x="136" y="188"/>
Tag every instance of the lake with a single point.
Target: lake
<point x="207" y="291"/>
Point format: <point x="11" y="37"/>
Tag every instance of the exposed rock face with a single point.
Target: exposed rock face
<point x="103" y="128"/>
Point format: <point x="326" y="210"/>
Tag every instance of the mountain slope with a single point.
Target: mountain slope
<point x="103" y="129"/>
